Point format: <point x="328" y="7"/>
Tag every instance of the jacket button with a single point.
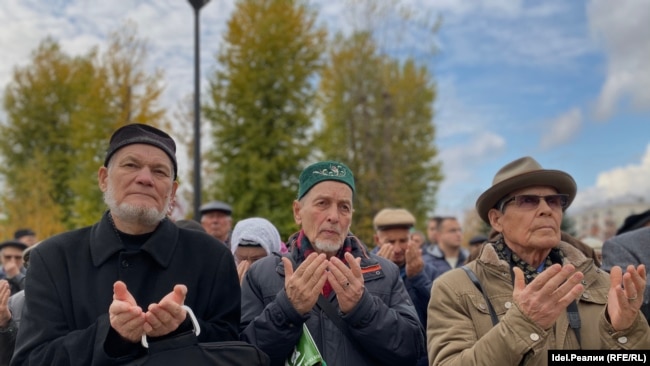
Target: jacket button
<point x="125" y="263"/>
<point x="534" y="337"/>
<point x="622" y="340"/>
<point x="585" y="295"/>
<point x="508" y="304"/>
<point x="481" y="306"/>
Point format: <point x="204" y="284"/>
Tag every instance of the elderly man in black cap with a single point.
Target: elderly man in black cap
<point x="530" y="292"/>
<point x="216" y="219"/>
<point x="94" y="293"/>
<point x="354" y="305"/>
<point x="11" y="261"/>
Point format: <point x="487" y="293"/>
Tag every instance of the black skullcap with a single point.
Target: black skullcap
<point x="138" y="133"/>
<point x="23" y="232"/>
<point x="216" y="206"/>
<point x="13" y="244"/>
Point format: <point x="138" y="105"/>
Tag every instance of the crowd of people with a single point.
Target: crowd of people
<point x="100" y="295"/>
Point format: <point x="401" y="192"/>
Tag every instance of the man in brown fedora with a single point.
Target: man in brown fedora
<point x="528" y="292"/>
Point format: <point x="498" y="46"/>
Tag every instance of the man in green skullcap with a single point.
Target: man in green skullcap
<point x="354" y="305"/>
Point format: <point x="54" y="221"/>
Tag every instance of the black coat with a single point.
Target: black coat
<point x="70" y="288"/>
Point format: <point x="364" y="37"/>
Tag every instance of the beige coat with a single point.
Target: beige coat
<point x="460" y="332"/>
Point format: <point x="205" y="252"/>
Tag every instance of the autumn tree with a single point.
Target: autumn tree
<point x="61" y="110"/>
<point x="377" y="117"/>
<point x="261" y="107"/>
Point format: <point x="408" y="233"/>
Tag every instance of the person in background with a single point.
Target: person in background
<point x="631" y="247"/>
<point x="448" y="253"/>
<point x="530" y="291"/>
<point x="393" y="237"/>
<point x="93" y="293"/>
<point x="432" y="231"/>
<point x="253" y="239"/>
<point x="27" y="236"/>
<point x="12" y="269"/>
<point x="216" y="219"/>
<point x="11" y="310"/>
<point x="370" y="321"/>
<point x="418" y="238"/>
<point x="475" y="246"/>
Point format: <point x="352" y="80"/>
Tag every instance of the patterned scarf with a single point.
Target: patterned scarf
<point x="530" y="272"/>
<point x="302" y="247"/>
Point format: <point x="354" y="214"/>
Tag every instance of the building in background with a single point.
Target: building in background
<point x="602" y="221"/>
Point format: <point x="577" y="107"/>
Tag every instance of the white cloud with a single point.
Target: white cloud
<point x="628" y="181"/>
<point x="562" y="129"/>
<point x="544" y="34"/>
<point x="623" y="28"/>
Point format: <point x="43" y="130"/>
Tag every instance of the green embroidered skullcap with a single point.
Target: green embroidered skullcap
<point x="322" y="171"/>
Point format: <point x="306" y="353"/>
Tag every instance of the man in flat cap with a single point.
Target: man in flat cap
<point x="216" y="219"/>
<point x="93" y="293"/>
<point x="393" y="238"/>
<point x="354" y="305"/>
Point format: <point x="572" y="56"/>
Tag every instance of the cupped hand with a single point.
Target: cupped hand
<point x="305" y="284"/>
<point x="625" y="296"/>
<point x="546" y="297"/>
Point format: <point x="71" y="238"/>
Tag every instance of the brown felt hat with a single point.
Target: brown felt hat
<point x="521" y="173"/>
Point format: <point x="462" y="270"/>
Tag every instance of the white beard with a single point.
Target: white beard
<point x="327" y="247"/>
<point x="146" y="216"/>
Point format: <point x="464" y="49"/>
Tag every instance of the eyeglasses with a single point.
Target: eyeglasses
<point x="10" y="257"/>
<point x="531" y="201"/>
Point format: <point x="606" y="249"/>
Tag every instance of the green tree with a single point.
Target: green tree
<point x="261" y="106"/>
<point x="61" y="111"/>
<point x="377" y="117"/>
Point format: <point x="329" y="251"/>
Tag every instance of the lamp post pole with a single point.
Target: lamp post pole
<point x="197" y="5"/>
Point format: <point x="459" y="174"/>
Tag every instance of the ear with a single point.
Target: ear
<point x="495" y="219"/>
<point x="102" y="177"/>
<point x="376" y="238"/>
<point x="296" y="212"/>
<point x="174" y="188"/>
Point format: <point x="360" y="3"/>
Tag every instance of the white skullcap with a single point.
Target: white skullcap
<point x="257" y="230"/>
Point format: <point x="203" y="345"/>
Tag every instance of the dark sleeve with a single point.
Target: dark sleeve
<point x="219" y="311"/>
<point x="390" y="332"/>
<point x="276" y="327"/>
<point x="44" y="336"/>
<point x="615" y="253"/>
<point x="7" y="342"/>
<point x="419" y="290"/>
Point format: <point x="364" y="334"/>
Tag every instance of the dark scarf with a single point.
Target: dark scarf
<point x="530" y="272"/>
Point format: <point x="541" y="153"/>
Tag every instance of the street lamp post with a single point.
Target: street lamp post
<point x="197" y="5"/>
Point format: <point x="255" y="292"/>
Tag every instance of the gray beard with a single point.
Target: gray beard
<point x="327" y="247"/>
<point x="146" y="216"/>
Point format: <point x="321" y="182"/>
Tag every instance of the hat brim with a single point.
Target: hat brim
<point x="561" y="181"/>
<point x="14" y="244"/>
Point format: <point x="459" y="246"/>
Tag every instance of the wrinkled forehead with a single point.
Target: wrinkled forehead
<point x="331" y="189"/>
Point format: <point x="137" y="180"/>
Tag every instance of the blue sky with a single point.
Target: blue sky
<point x="566" y="82"/>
